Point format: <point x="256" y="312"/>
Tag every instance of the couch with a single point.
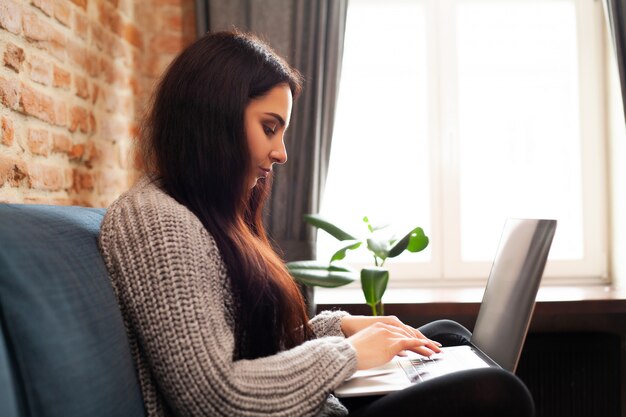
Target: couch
<point x="63" y="347"/>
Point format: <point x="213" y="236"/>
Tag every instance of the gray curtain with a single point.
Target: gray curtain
<point x="309" y="34"/>
<point x="616" y="17"/>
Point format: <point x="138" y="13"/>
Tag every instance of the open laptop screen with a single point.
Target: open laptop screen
<point x="510" y="294"/>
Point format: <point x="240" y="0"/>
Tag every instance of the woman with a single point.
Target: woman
<point x="217" y="325"/>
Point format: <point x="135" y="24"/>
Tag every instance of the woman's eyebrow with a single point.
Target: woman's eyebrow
<point x="277" y="117"/>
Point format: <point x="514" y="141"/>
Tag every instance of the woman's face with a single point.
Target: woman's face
<point x="266" y="118"/>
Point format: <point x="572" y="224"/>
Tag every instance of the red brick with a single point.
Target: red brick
<point x="45" y="177"/>
<point x="95" y="91"/>
<point x="172" y="21"/>
<point x="81" y="3"/>
<point x="10" y="92"/>
<point x="133" y="35"/>
<point x="60" y="113"/>
<point x="92" y="123"/>
<point x="101" y="37"/>
<point x="82" y="57"/>
<point x="8" y="131"/>
<point x="61" y="143"/>
<point x="44" y="35"/>
<point x="166" y="43"/>
<point x="46" y="6"/>
<point x="13" y="57"/>
<point x="10" y="16"/>
<point x="82" y="87"/>
<point x="83" y="181"/>
<point x="38" y="142"/>
<point x="34" y="28"/>
<point x="37" y="104"/>
<point x="77" y="54"/>
<point x="39" y="70"/>
<point x="56" y="46"/>
<point x="135" y="85"/>
<point x="81" y="25"/>
<point x="91" y="64"/>
<point x="61" y="78"/>
<point x="106" y="70"/>
<point x="62" y="12"/>
<point x="79" y="119"/>
<point x="12" y="170"/>
<point x="134" y="130"/>
<point x="109" y="18"/>
<point x="77" y="151"/>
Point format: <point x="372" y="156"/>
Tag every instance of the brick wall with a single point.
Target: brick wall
<point x="74" y="80"/>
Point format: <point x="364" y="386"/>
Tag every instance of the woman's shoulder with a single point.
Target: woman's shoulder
<point x="147" y="213"/>
<point x="148" y="202"/>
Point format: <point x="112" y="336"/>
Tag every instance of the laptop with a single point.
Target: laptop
<point x="502" y="323"/>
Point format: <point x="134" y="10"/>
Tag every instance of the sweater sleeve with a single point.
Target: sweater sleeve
<point x="174" y="291"/>
<point x="328" y="323"/>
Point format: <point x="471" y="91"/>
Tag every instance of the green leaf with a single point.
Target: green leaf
<point x="323" y="278"/>
<point x="307" y="265"/>
<point x="341" y="253"/>
<point x="374" y="283"/>
<point x="414" y="241"/>
<point x="322" y="223"/>
<point x="418" y="241"/>
<point x="367" y="222"/>
<point x="316" y="273"/>
<point x="380" y="247"/>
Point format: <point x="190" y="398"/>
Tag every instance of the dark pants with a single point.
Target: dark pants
<point x="481" y="392"/>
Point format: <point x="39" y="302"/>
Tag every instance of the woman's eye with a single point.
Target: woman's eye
<point x="268" y="130"/>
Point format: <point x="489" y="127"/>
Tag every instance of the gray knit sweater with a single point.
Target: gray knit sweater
<point x="175" y="297"/>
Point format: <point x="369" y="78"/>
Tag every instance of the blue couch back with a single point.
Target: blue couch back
<point x="63" y="346"/>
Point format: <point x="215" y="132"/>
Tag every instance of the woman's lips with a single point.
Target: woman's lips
<point x="264" y="172"/>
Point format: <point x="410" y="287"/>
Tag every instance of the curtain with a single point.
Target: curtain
<point x="615" y="11"/>
<point x="309" y="34"/>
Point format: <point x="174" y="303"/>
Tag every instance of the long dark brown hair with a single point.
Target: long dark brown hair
<point x="194" y="142"/>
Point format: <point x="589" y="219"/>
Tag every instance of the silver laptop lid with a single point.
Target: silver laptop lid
<point x="509" y="298"/>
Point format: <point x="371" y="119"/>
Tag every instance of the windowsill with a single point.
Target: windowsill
<point x="468" y="294"/>
<point x="558" y="308"/>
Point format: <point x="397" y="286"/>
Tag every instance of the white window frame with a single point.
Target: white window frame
<point x="445" y="191"/>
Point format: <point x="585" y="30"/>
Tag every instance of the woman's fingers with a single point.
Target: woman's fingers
<point x="413" y="332"/>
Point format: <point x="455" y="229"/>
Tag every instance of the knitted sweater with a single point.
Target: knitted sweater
<point x="175" y="296"/>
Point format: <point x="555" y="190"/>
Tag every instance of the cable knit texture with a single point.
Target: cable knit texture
<point x="175" y="296"/>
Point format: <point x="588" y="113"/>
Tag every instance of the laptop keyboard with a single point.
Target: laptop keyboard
<point x="422" y="368"/>
<point x="419" y="369"/>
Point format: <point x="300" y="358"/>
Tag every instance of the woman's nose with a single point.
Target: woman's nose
<point x="279" y="155"/>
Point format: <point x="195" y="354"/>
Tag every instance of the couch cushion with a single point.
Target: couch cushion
<point x="63" y="327"/>
<point x="9" y="405"/>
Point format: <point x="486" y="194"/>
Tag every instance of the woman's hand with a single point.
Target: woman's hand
<point x="378" y="343"/>
<point x="378" y="339"/>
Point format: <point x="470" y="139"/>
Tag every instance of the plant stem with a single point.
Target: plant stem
<point x="374" y="310"/>
<point x="381" y="309"/>
<point x="375" y="260"/>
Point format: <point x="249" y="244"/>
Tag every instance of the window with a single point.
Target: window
<point x="456" y="114"/>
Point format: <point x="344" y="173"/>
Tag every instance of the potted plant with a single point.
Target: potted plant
<point x="373" y="279"/>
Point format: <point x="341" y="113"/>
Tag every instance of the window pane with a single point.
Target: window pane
<point x="380" y="157"/>
<point x="519" y="127"/>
